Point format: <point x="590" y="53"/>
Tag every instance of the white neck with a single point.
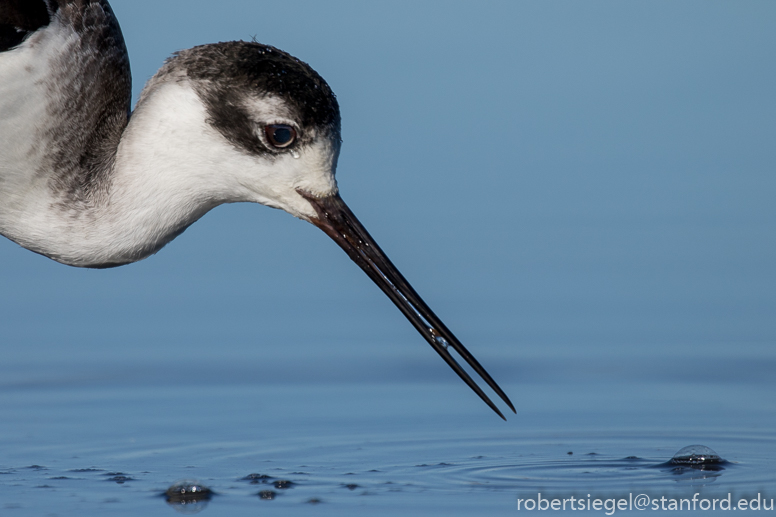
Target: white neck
<point x="82" y="185"/>
<point x="162" y="181"/>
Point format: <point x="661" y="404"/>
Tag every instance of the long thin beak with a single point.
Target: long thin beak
<point x="339" y="223"/>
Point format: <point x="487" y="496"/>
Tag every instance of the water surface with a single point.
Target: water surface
<point x="112" y="442"/>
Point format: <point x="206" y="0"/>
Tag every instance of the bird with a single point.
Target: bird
<point x="89" y="182"/>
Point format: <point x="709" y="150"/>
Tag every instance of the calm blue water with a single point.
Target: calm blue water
<point x="389" y="444"/>
<point x="582" y="191"/>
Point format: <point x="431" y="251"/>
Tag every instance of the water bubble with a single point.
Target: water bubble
<point x="696" y="455"/>
<point x="118" y="477"/>
<point x="267" y="495"/>
<point x="283" y="484"/>
<point x="188" y="489"/>
<point x="188" y="496"/>
<point x="255" y="479"/>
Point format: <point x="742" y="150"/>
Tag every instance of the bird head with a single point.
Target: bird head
<point x="277" y="111"/>
<point x="278" y="126"/>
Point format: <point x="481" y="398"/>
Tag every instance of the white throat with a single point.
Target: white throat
<point x="171" y="167"/>
<point x="84" y="186"/>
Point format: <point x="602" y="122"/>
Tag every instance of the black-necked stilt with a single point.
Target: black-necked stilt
<point x="87" y="182"/>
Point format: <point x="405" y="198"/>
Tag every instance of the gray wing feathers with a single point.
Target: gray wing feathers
<point x="89" y="91"/>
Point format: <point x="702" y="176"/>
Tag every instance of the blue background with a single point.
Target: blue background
<point x="557" y="179"/>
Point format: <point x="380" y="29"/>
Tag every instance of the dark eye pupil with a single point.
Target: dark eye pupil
<point x="280" y="135"/>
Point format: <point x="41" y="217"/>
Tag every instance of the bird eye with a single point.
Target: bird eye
<point x="280" y="135"/>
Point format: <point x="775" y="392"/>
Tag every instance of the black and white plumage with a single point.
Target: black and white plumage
<point x="88" y="182"/>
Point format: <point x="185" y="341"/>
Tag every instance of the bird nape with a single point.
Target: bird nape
<point x="88" y="185"/>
